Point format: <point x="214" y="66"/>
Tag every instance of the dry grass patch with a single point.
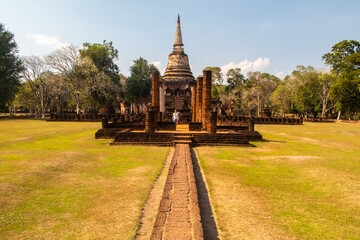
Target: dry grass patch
<point x="302" y="182"/>
<point x="58" y="182"/>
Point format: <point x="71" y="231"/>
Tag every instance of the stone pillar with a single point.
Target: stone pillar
<point x="193" y="104"/>
<point x="206" y="98"/>
<point x="162" y="97"/>
<point x="198" y="99"/>
<point x="149" y="121"/>
<point x="155" y="89"/>
<point x="155" y="95"/>
<point x="251" y="122"/>
<point x="156" y="116"/>
<point x="211" y="123"/>
<point x="104" y="123"/>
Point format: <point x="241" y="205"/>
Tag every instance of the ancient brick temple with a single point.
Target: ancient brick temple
<point x="178" y="79"/>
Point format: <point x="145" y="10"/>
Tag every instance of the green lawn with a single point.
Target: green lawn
<point x="302" y="182"/>
<point x="58" y="182"/>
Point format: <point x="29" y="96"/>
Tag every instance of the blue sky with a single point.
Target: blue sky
<point x="269" y="36"/>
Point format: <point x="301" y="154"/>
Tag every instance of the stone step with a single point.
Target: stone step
<point x="183" y="141"/>
<point x="161" y="144"/>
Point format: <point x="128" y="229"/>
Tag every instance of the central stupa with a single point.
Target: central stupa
<point x="178" y="78"/>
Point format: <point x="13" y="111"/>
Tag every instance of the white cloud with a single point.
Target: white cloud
<point x="48" y="41"/>
<point x="324" y="70"/>
<point x="281" y="74"/>
<point x="158" y="65"/>
<point x="247" y="66"/>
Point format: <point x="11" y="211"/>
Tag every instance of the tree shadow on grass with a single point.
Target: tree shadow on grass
<point x="207" y="217"/>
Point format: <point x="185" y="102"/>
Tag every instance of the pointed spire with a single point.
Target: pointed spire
<point x="178" y="39"/>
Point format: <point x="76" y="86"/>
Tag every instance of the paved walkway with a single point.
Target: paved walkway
<point x="179" y="215"/>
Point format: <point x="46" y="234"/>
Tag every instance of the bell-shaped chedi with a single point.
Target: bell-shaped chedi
<point x="178" y="68"/>
<point x="178" y="78"/>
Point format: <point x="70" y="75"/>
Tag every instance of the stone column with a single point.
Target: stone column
<point x="156" y="116"/>
<point x="212" y="121"/>
<point x="149" y="121"/>
<point x="155" y="89"/>
<point x="198" y="99"/>
<point x="162" y="97"/>
<point x="206" y="98"/>
<point x="155" y="95"/>
<point x="104" y="122"/>
<point x="193" y="104"/>
<point x="251" y="122"/>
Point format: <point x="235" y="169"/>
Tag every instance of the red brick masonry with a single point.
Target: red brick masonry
<point x="179" y="214"/>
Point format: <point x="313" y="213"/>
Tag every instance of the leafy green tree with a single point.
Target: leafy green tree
<point x="138" y="85"/>
<point x="281" y="98"/>
<point x="10" y="67"/>
<point x="216" y="75"/>
<point x="327" y="80"/>
<point x="347" y="93"/>
<point x="234" y="78"/>
<point x="25" y="98"/>
<point x="339" y="56"/>
<point x="345" y="61"/>
<point x="80" y="74"/>
<point x="258" y="90"/>
<point x="308" y="90"/>
<point x="103" y="56"/>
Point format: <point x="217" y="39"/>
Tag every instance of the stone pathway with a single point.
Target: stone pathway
<point x="179" y="215"/>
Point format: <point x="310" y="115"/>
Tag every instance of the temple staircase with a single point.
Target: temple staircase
<point x="183" y="139"/>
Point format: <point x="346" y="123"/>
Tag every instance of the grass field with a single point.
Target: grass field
<point x="303" y="182"/>
<point x="58" y="182"/>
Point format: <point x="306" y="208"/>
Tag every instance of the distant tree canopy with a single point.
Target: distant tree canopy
<point x="344" y="57"/>
<point x="73" y="79"/>
<point x="216" y="75"/>
<point x="103" y="56"/>
<point x="138" y="85"/>
<point x="10" y="67"/>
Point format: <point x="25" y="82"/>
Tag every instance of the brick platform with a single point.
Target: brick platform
<point x="240" y="138"/>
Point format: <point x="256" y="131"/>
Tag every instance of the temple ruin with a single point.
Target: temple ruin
<point x="178" y="80"/>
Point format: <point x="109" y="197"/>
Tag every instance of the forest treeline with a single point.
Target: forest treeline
<point x="80" y="79"/>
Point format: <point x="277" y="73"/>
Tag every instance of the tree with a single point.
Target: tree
<point x="25" y="98"/>
<point x="281" y="98"/>
<point x="80" y="74"/>
<point x="103" y="56"/>
<point x="138" y="85"/>
<point x="234" y="78"/>
<point x="308" y="90"/>
<point x="59" y="94"/>
<point x="216" y="75"/>
<point x="259" y="88"/>
<point x="35" y="74"/>
<point x="338" y="58"/>
<point x="345" y="61"/>
<point x="326" y="81"/>
<point x="10" y="67"/>
<point x="347" y="94"/>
